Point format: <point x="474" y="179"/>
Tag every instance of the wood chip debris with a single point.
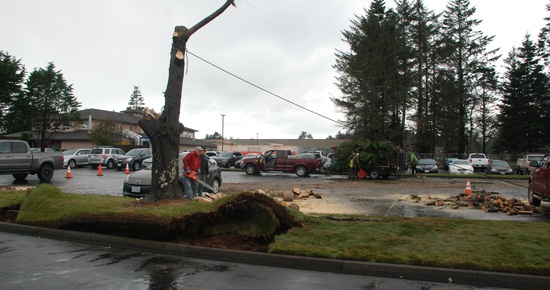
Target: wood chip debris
<point x="485" y="201"/>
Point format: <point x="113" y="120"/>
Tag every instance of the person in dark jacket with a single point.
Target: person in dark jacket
<point x="203" y="173"/>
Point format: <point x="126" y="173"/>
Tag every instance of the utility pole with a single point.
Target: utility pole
<point x="223" y="116"/>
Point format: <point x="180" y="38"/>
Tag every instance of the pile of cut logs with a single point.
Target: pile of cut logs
<point x="485" y="201"/>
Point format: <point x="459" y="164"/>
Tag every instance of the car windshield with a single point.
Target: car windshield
<point x="69" y="152"/>
<point x="499" y="163"/>
<point x="535" y="157"/>
<point x="96" y="151"/>
<point x="477" y="156"/>
<point x="461" y="162"/>
<point x="426" y="162"/>
<point x="134" y="152"/>
<point x="226" y="154"/>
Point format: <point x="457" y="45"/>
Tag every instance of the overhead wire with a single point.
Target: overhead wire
<point x="264" y="90"/>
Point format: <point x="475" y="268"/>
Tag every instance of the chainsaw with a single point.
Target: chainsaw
<point x="193" y="175"/>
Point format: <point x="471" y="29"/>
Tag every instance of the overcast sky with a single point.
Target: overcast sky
<point x="286" y="47"/>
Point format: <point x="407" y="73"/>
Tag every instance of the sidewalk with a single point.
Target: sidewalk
<point x="431" y="274"/>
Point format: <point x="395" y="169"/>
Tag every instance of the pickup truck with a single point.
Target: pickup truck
<point x="539" y="181"/>
<point x="17" y="159"/>
<point x="524" y="164"/>
<point x="478" y="161"/>
<point x="281" y="160"/>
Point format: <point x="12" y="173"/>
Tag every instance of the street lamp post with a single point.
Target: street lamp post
<point x="223" y="116"/>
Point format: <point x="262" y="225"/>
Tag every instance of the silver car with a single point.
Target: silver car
<point x="104" y="156"/>
<point x="138" y="184"/>
<point x="76" y="157"/>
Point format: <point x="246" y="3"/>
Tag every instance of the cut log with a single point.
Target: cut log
<point x="288" y="196"/>
<point x="525" y="212"/>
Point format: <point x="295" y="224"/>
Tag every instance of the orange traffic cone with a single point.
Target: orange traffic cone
<point x="127" y="171"/>
<point x="468" y="188"/>
<point x="69" y="172"/>
<point x="99" y="171"/>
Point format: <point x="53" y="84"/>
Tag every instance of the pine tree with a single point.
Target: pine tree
<point x="12" y="75"/>
<point x="52" y="102"/>
<point x="467" y="53"/>
<point x="372" y="78"/>
<point x="136" y="101"/>
<point x="524" y="110"/>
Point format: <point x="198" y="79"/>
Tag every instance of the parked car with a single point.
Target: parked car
<point x="524" y="163"/>
<point x="17" y="159"/>
<point x="138" y="184"/>
<point x="427" y="166"/>
<point x="76" y="157"/>
<point x="498" y="167"/>
<point x="461" y="166"/>
<point x="311" y="155"/>
<point x="133" y="158"/>
<point x="104" y="156"/>
<point x="227" y="159"/>
<point x="538" y="190"/>
<point x="448" y="160"/>
<point x="479" y="161"/>
<point x="281" y="160"/>
<point x="239" y="163"/>
<point x="211" y="153"/>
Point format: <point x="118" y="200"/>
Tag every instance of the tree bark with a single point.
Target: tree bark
<point x="164" y="130"/>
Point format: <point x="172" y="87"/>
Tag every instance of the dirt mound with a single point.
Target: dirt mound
<point x="248" y="221"/>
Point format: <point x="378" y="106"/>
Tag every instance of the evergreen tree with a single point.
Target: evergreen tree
<point x="525" y="104"/>
<point x="136" y="101"/>
<point x="419" y="29"/>
<point x="372" y="76"/>
<point x="216" y="135"/>
<point x="305" y="135"/>
<point x="12" y="75"/>
<point x="468" y="53"/>
<point x="52" y="102"/>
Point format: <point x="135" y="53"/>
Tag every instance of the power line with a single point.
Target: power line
<point x="265" y="90"/>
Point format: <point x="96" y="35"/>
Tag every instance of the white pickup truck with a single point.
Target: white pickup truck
<point x="478" y="161"/>
<point x="17" y="159"/>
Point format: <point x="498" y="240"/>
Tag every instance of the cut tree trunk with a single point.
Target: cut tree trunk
<point x="164" y="130"/>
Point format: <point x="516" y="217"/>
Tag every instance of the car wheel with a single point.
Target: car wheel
<point x="215" y="185"/>
<point x="250" y="169"/>
<point x="301" y="171"/>
<point x="45" y="173"/>
<point x="72" y="163"/>
<point x="20" y="176"/>
<point x="110" y="164"/>
<point x="531" y="196"/>
<point x="374" y="174"/>
<point x="136" y="166"/>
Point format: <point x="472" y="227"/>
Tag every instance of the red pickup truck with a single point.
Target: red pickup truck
<point x="281" y="160"/>
<point x="539" y="181"/>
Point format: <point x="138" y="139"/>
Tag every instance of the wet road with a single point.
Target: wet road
<point x="41" y="263"/>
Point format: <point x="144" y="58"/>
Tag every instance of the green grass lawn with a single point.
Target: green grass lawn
<point x="505" y="246"/>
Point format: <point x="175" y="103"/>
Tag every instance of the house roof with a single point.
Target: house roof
<point x="105" y="115"/>
<point x="119" y="117"/>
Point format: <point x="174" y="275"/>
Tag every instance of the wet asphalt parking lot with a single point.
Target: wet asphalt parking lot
<point x="40" y="263"/>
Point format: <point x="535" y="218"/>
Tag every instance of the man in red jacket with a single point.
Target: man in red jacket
<point x="191" y="163"/>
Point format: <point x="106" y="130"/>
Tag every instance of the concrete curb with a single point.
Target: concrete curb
<point x="431" y="274"/>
